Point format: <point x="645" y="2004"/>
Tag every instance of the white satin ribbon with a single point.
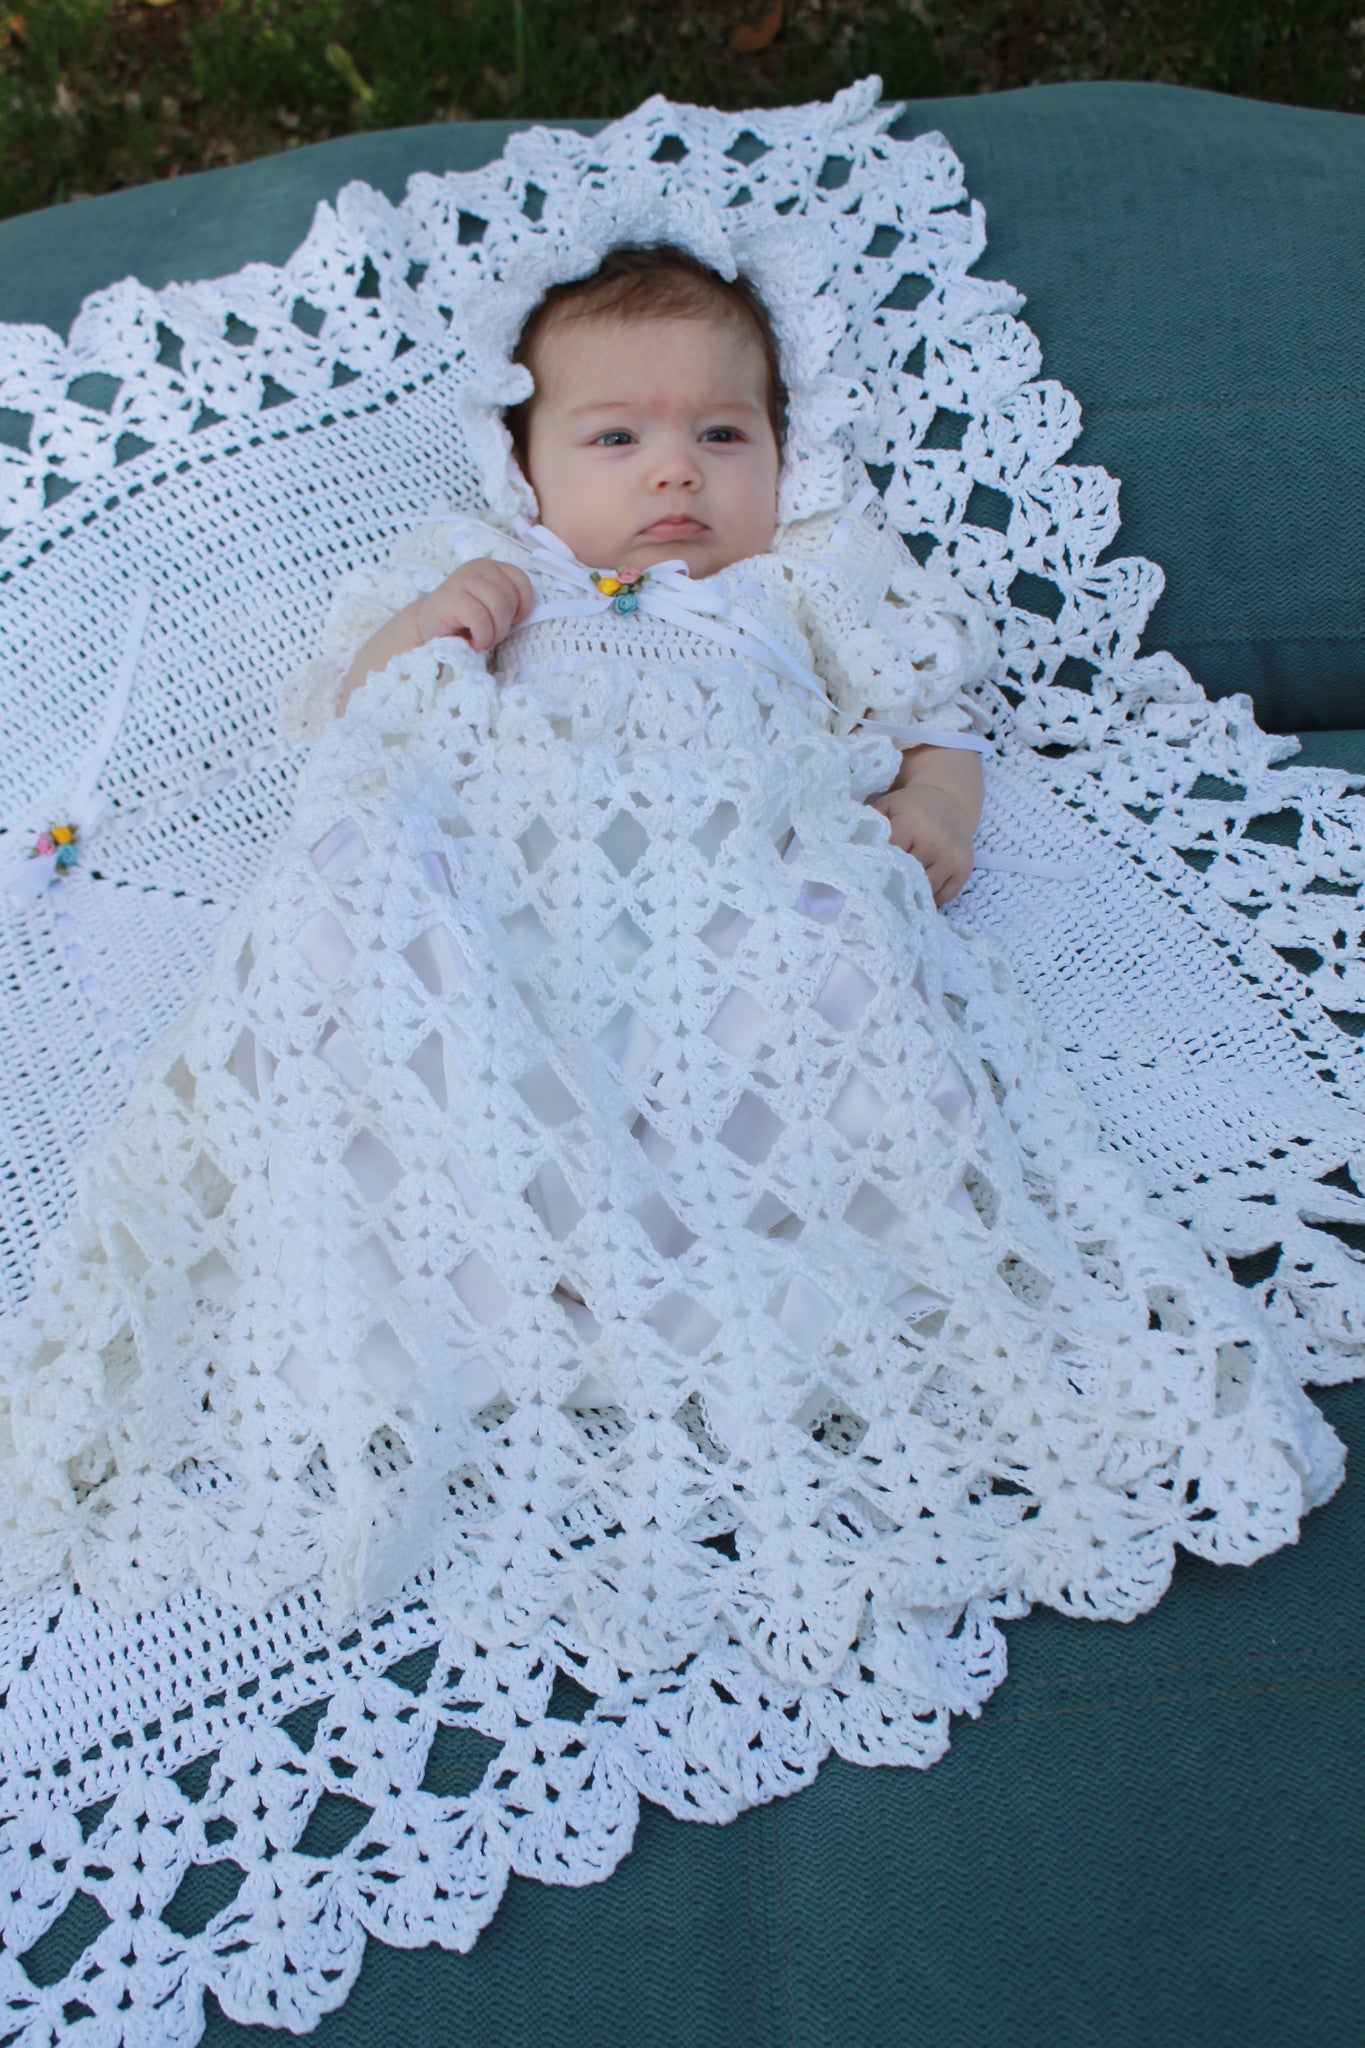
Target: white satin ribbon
<point x="1035" y="870"/>
<point x="27" y="879"/>
<point x="930" y="736"/>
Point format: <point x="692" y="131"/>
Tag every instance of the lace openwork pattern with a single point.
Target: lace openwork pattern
<point x="659" y="1576"/>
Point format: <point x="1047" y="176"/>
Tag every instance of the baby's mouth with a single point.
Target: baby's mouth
<point x="674" y="526"/>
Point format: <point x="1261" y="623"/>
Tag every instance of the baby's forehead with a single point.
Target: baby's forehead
<point x="575" y="348"/>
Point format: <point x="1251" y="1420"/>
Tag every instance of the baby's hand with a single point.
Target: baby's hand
<point x="934" y="827"/>
<point x="480" y="603"/>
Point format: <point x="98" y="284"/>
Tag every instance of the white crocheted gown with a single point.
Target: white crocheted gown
<point x="595" y="1166"/>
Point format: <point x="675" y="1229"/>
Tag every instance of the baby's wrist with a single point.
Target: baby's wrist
<point x="424" y="625"/>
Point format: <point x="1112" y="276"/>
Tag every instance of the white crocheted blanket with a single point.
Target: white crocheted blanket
<point x="232" y="1799"/>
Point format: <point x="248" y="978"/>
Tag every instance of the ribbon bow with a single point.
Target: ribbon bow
<point x="666" y="591"/>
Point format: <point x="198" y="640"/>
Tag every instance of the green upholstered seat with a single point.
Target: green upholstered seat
<point x="1153" y="1835"/>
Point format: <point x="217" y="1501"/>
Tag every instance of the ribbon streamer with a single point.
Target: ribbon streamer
<point x="27" y="880"/>
<point x="1037" y="870"/>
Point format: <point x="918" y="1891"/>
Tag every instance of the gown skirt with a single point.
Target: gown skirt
<point x="595" y="1178"/>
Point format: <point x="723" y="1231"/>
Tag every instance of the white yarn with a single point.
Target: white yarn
<point x="697" y="1494"/>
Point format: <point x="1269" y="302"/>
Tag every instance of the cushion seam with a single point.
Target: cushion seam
<point x="1095" y="405"/>
<point x="1248" y="637"/>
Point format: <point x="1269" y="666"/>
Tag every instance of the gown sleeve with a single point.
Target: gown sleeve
<point x="368" y="598"/>
<point x="891" y="640"/>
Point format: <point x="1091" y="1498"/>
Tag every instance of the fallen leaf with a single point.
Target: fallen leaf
<point x="753" y="36"/>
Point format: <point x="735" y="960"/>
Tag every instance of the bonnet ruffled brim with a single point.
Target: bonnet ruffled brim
<point x="786" y="259"/>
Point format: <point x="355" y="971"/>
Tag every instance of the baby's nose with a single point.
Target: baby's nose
<point x="675" y="466"/>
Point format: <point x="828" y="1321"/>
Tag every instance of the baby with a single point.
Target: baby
<point x="655" y="435"/>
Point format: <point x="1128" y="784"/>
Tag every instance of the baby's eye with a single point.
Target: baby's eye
<point x="722" y="434"/>
<point x="616" y="437"/>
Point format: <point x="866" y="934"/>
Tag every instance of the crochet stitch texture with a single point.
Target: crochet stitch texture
<point x="594" y="1191"/>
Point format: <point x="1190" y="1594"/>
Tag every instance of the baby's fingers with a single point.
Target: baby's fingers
<point x="950" y="877"/>
<point x="504" y="595"/>
<point x="900" y="825"/>
<point x="478" y="624"/>
<point x="514" y="599"/>
<point x="525" y="594"/>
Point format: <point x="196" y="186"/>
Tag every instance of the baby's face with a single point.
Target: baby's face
<point x="649" y="441"/>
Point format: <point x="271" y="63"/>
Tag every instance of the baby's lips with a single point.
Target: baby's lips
<point x="674" y="526"/>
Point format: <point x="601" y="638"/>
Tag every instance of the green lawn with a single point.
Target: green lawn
<point x="96" y="94"/>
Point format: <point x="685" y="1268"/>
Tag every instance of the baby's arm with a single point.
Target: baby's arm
<point x="479" y="602"/>
<point x="901" y="645"/>
<point x="934" y="808"/>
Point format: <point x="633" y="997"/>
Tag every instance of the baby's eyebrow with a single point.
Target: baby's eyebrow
<point x="594" y="405"/>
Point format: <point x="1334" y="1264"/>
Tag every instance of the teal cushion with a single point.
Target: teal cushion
<point x="1332" y="750"/>
<point x="1193" y="266"/>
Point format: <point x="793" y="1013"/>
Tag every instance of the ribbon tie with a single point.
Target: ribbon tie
<point x="670" y="592"/>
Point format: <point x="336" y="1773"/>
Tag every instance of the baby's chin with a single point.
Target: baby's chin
<point x="705" y="554"/>
<point x="702" y="554"/>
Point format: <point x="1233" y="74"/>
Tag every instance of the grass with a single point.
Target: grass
<point x="97" y="94"/>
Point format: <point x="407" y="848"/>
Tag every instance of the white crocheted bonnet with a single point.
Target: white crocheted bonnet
<point x="786" y="260"/>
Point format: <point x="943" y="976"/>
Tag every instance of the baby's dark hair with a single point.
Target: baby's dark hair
<point x="653" y="281"/>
